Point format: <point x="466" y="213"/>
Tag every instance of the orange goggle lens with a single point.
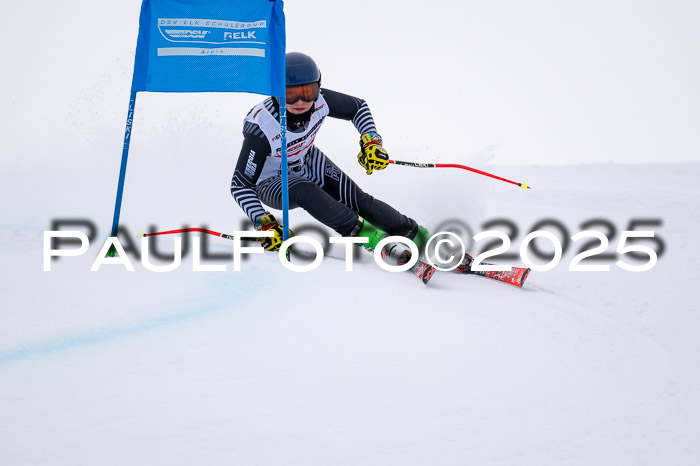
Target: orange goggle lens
<point x="305" y="92"/>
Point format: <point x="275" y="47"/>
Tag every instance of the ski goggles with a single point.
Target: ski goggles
<point x="305" y="92"/>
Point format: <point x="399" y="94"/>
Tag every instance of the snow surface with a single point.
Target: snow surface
<point x="268" y="367"/>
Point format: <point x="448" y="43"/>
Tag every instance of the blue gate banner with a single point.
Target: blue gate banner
<point x="211" y="46"/>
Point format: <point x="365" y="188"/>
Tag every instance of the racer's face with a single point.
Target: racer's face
<point x="299" y="107"/>
<point x="299" y="99"/>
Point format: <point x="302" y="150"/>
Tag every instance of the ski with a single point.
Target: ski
<point x="399" y="254"/>
<point x="516" y="276"/>
<point x="423" y="270"/>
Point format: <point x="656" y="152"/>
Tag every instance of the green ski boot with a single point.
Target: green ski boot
<point x="371" y="232"/>
<point x="421" y="238"/>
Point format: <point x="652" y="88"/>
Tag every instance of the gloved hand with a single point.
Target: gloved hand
<point x="268" y="223"/>
<point x="372" y="155"/>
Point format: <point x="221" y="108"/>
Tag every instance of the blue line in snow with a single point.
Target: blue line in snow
<point x="55" y="345"/>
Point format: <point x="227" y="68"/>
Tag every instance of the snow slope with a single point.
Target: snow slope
<point x="266" y="366"/>
<point x="270" y="367"/>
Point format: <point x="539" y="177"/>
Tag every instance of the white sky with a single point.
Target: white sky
<point x="544" y="82"/>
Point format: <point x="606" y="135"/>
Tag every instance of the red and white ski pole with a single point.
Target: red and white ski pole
<point x="210" y="232"/>
<point x="522" y="186"/>
<point x="202" y="230"/>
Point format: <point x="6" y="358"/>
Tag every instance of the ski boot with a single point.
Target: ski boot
<point x="420" y="236"/>
<point x="366" y="229"/>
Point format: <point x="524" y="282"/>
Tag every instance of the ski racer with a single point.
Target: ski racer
<point x="315" y="183"/>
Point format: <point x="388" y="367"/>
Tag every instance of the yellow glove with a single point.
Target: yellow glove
<point x="268" y="223"/>
<point x="372" y="155"/>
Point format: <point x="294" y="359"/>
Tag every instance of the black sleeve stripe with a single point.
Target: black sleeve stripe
<point x="247" y="199"/>
<point x="363" y="121"/>
<point x="250" y="163"/>
<point x="253" y="130"/>
<point x="351" y="108"/>
<point x="270" y="106"/>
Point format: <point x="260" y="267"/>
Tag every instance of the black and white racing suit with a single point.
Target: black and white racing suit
<point x="316" y="184"/>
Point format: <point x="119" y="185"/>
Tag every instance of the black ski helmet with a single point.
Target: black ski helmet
<point x="301" y="69"/>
